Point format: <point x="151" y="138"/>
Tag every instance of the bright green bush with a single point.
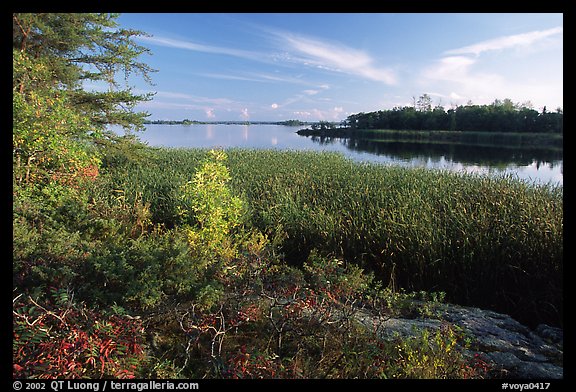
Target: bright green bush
<point x="140" y="264"/>
<point x="211" y="211"/>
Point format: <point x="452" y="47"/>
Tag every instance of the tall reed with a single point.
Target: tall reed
<point x="495" y="242"/>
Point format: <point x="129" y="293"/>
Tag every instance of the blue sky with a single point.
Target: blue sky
<point x="327" y="66"/>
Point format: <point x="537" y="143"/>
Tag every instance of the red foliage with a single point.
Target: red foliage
<point x="55" y="340"/>
<point x="74" y="177"/>
<point x="476" y="367"/>
<point x="255" y="365"/>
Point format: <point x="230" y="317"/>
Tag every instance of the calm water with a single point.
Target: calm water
<point x="529" y="164"/>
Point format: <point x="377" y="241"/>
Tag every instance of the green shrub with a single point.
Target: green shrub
<point x="48" y="245"/>
<point x="210" y="210"/>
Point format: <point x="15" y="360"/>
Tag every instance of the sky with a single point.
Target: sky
<point x="311" y="67"/>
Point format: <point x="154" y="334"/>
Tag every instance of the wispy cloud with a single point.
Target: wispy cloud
<point x="196" y="47"/>
<point x="461" y="73"/>
<point x="292" y="49"/>
<point x="334" y="57"/>
<point x="311" y="92"/>
<point x="263" y="77"/>
<point x="290" y="101"/>
<point x="453" y="68"/>
<point x="465" y="71"/>
<point x="507" y="42"/>
<point x="169" y="100"/>
<point x="189" y="98"/>
<point x="307" y="96"/>
<point x="316" y="90"/>
<point x="229" y="77"/>
<point x="266" y="77"/>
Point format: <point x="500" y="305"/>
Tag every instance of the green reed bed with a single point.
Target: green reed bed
<point x="495" y="242"/>
<point x="552" y="141"/>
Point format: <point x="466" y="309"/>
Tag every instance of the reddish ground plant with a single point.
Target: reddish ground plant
<point x="58" y="338"/>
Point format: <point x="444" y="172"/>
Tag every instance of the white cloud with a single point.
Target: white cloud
<point x="189" y="45"/>
<point x="450" y="68"/>
<point x="337" y="58"/>
<point x="506" y="42"/>
<point x="193" y="98"/>
<point x="295" y="99"/>
<point x="482" y="79"/>
<point x="460" y="73"/>
<point x="263" y="77"/>
<point x="315" y="53"/>
<point x="244" y="114"/>
<point x="274" y="106"/>
<point x="314" y="91"/>
<point x="276" y="78"/>
<point x="210" y="113"/>
<point x="156" y="104"/>
<point x="230" y="77"/>
<point x="453" y="95"/>
<point x="467" y="80"/>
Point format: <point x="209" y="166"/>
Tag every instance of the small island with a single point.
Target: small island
<point x="502" y="122"/>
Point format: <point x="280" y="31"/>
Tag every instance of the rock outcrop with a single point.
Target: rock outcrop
<point x="511" y="349"/>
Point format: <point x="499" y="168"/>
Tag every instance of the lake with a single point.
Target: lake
<point x="530" y="164"/>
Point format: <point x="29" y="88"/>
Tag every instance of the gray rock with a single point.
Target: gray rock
<point x="551" y="334"/>
<point x="512" y="349"/>
<point x="511" y="366"/>
<point x="390" y="327"/>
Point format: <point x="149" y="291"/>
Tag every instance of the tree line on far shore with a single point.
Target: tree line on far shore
<point x="289" y="123"/>
<point x="499" y="116"/>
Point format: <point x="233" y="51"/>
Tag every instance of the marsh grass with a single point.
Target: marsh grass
<point x="475" y="138"/>
<point x="494" y="242"/>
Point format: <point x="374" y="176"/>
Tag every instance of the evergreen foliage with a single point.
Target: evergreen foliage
<point x="499" y="116"/>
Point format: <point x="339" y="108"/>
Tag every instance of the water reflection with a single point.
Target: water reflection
<point x="474" y="155"/>
<point x="533" y="164"/>
<point x="209" y="132"/>
<point x="245" y="132"/>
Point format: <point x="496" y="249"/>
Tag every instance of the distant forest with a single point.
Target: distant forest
<point x="290" y="123"/>
<point x="499" y="116"/>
